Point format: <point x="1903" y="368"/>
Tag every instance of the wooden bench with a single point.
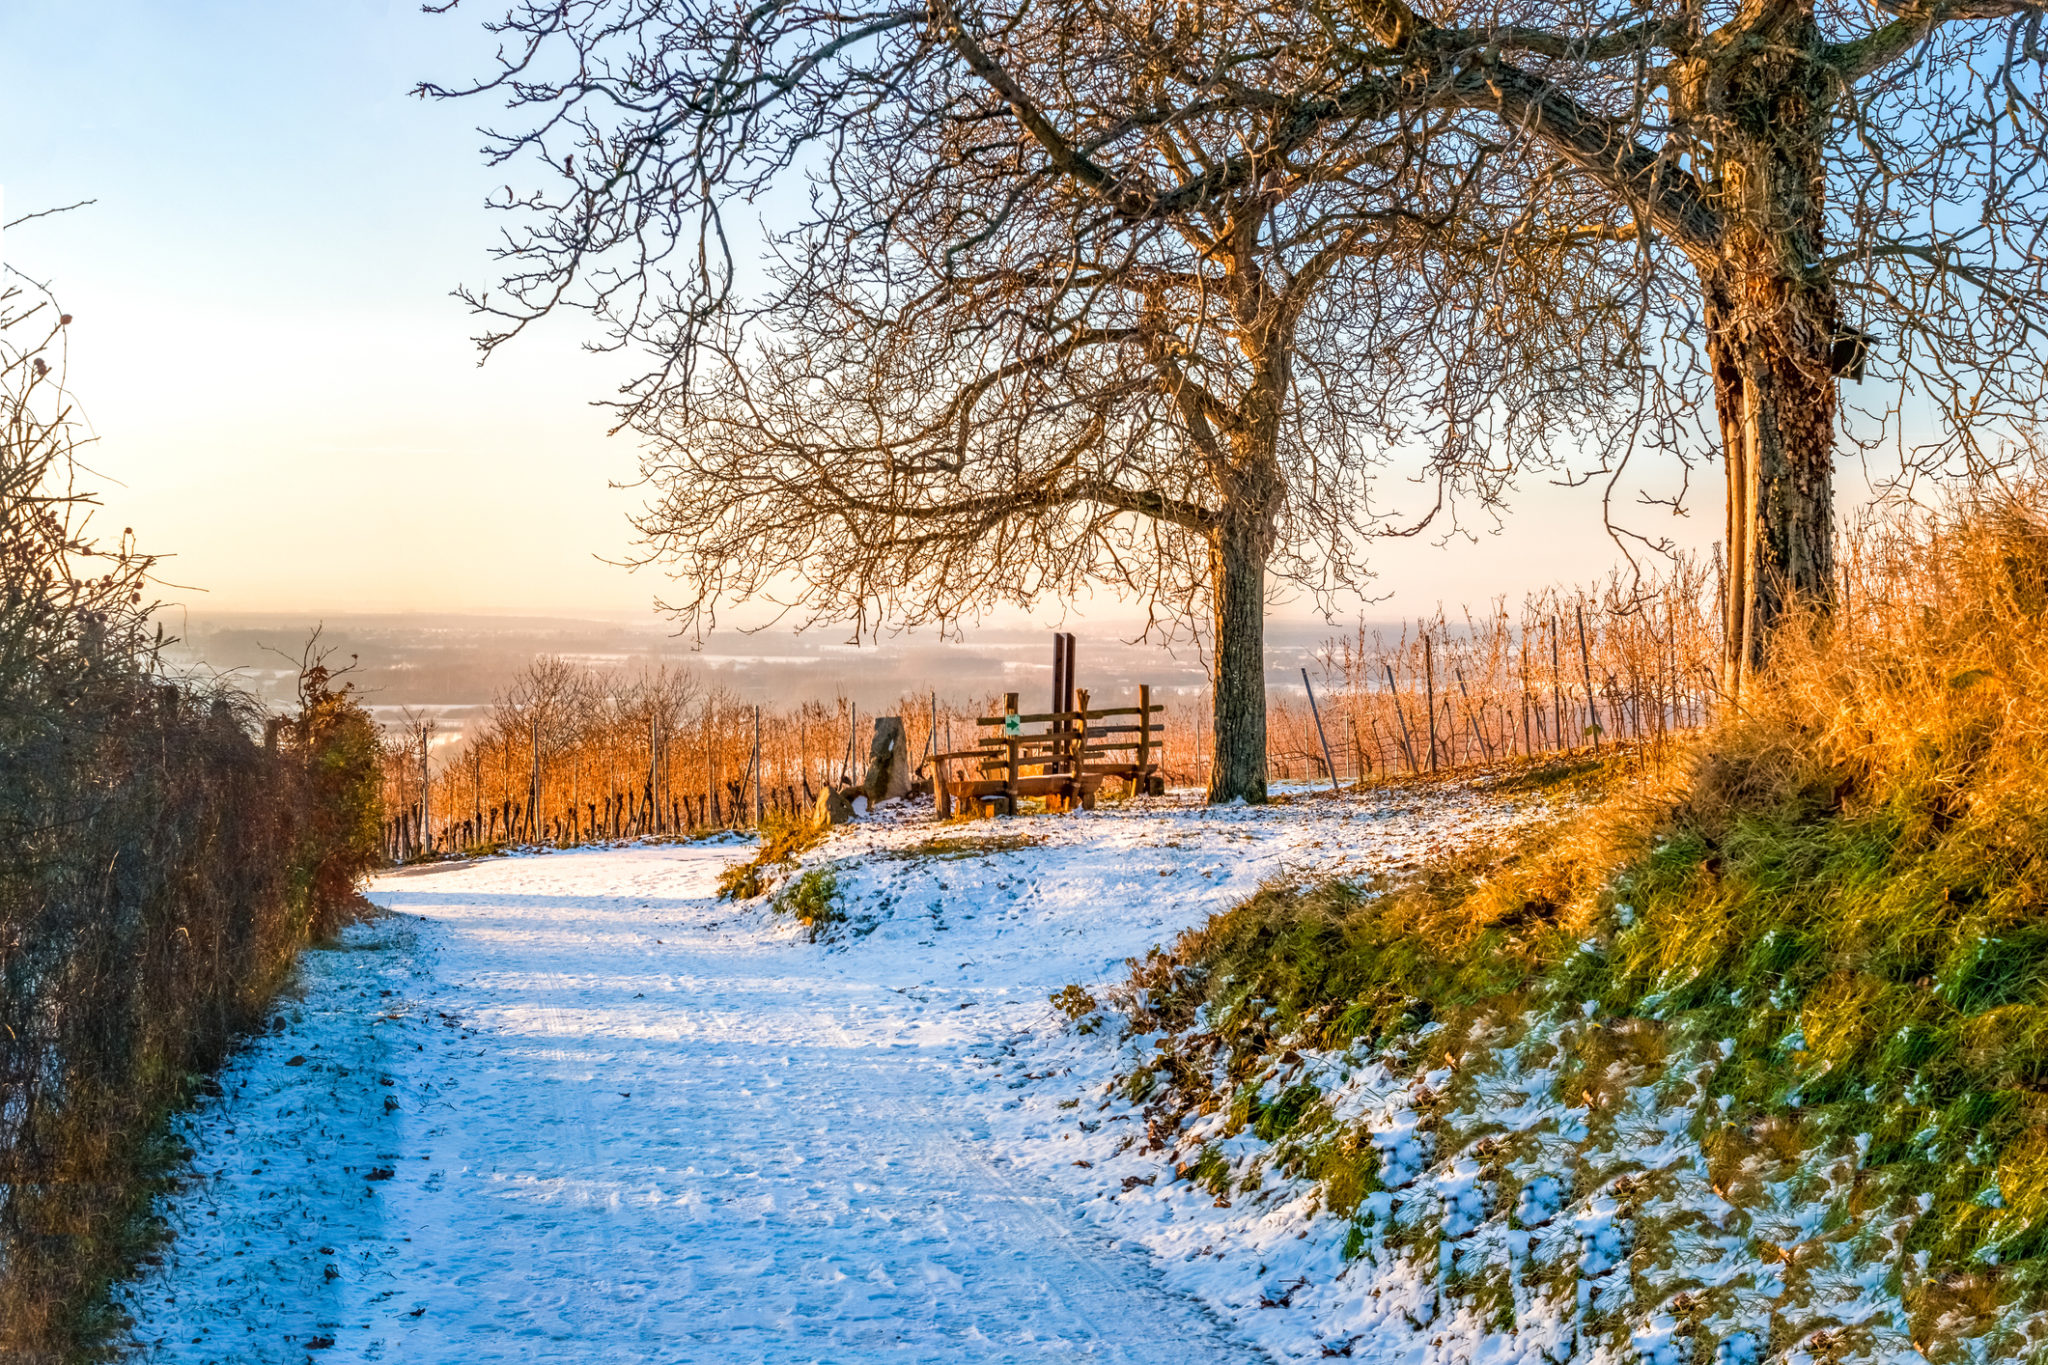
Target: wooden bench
<point x="1065" y="760"/>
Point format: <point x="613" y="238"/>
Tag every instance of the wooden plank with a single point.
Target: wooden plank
<point x="1029" y="786"/>
<point x="1000" y="744"/>
<point x="1078" y="753"/>
<point x="1048" y="744"/>
<point x="1041" y="717"/>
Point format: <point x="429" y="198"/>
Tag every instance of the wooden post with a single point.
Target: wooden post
<point x="852" y="729"/>
<point x="759" y="805"/>
<point x="1556" y="689"/>
<point x="1080" y="742"/>
<point x="533" y="785"/>
<point x="1059" y="673"/>
<point x="1471" y="719"/>
<point x="1586" y="663"/>
<point x="1335" y="790"/>
<point x="1144" y="730"/>
<point x="948" y="811"/>
<point x="1407" y="745"/>
<point x="1067" y="697"/>
<point x="1057" y="727"/>
<point x="1527" y="748"/>
<point x="653" y="764"/>
<point x="1012" y="740"/>
<point x="426" y="790"/>
<point x="1429" y="686"/>
<point x="1069" y="702"/>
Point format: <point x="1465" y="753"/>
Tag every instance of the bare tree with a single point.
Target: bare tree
<point x="1075" y="298"/>
<point x="1826" y="191"/>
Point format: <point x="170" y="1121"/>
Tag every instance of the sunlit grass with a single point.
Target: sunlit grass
<point x="1845" y="879"/>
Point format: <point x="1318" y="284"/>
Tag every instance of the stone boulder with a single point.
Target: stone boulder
<point x="888" y="775"/>
<point x="832" y="809"/>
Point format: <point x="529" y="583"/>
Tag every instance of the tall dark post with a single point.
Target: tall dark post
<point x="653" y="820"/>
<point x="1586" y="662"/>
<point x="533" y="797"/>
<point x="1407" y="744"/>
<point x="1557" y="689"/>
<point x="1429" y="692"/>
<point x="1322" y="738"/>
<point x="1067" y="689"/>
<point x="1059" y="671"/>
<point x="426" y="792"/>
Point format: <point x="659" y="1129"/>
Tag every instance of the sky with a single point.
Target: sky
<point x="284" y="394"/>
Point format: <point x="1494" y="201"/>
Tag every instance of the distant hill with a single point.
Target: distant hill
<point x="451" y="665"/>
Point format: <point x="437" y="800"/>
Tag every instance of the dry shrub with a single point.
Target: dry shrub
<point x="1852" y="882"/>
<point x="159" y="868"/>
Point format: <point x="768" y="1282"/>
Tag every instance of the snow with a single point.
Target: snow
<point x="1509" y="1225"/>
<point x="570" y="1107"/>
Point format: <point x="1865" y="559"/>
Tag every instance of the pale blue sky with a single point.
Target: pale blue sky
<point x="265" y="344"/>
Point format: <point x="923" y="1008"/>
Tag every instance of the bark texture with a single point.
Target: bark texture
<point x="1775" y="399"/>
<point x="1754" y="102"/>
<point x="1238" y="571"/>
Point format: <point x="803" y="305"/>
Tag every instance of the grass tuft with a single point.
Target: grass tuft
<point x="783" y="838"/>
<point x="813" y="900"/>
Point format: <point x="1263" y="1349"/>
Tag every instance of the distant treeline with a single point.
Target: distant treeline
<point x="165" y="849"/>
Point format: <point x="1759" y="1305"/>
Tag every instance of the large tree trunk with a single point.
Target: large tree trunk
<point x="1774" y="334"/>
<point x="1237" y="578"/>
<point x="1771" y="343"/>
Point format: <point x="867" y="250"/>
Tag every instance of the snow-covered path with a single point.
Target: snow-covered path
<point x="569" y="1107"/>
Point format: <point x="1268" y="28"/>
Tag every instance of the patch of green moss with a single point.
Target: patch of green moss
<point x="1211" y="1171"/>
<point x="783" y="838"/>
<point x="1871" y="980"/>
<point x="813" y="900"/>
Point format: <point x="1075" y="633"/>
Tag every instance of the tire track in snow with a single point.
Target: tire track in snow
<point x="774" y="1162"/>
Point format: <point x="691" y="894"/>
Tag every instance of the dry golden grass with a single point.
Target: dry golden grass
<point x="1846" y="875"/>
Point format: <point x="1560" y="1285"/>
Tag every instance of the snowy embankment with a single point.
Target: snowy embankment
<point x="1504" y="1204"/>
<point x="570" y="1107"/>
